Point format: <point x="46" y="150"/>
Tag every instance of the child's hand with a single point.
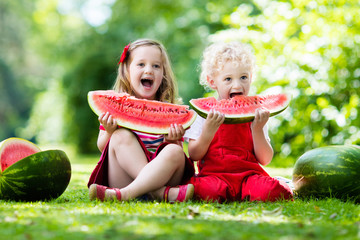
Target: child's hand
<point x="107" y="122"/>
<point x="261" y="117"/>
<point x="213" y="121"/>
<point x="176" y="132"/>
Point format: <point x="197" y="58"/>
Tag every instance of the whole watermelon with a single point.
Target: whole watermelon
<point x="332" y="171"/>
<point x="40" y="176"/>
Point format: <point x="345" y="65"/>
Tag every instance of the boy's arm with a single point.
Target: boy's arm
<point x="198" y="147"/>
<point x="262" y="148"/>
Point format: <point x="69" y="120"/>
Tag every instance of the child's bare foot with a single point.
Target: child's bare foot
<point x="113" y="194"/>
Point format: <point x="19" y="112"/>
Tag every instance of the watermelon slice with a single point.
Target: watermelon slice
<point x="140" y="114"/>
<point x="15" y="149"/>
<point x="240" y="109"/>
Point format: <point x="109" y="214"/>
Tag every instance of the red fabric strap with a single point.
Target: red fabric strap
<point x="100" y="192"/>
<point x="118" y="194"/>
<point x="166" y="194"/>
<point x="182" y="193"/>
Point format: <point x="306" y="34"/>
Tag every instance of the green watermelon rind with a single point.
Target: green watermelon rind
<point x="331" y="171"/>
<point x="41" y="176"/>
<point x="239" y="118"/>
<point x="142" y="128"/>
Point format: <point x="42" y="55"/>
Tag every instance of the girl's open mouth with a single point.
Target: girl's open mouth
<point x="147" y="83"/>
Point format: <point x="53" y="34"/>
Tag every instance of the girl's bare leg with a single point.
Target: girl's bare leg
<point x="166" y="169"/>
<point x="126" y="158"/>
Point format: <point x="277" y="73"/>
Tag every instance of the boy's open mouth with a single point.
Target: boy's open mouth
<point x="147" y="82"/>
<point x="235" y="94"/>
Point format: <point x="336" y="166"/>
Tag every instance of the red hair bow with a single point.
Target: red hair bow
<point x="124" y="54"/>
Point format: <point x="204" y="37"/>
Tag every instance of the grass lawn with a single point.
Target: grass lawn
<point x="73" y="216"/>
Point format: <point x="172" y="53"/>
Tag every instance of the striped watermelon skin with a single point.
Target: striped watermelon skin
<point x="332" y="171"/>
<point x="41" y="176"/>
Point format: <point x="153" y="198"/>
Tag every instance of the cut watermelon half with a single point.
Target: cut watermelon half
<point x="28" y="174"/>
<point x="140" y="114"/>
<point x="240" y="109"/>
<point x="15" y="149"/>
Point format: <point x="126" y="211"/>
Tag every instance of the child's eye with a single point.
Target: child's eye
<point x="228" y="79"/>
<point x="141" y="64"/>
<point x="244" y="77"/>
<point x="156" y="66"/>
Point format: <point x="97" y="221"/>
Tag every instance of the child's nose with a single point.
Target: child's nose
<point x="148" y="69"/>
<point x="237" y="84"/>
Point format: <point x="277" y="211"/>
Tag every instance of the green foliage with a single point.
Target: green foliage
<point x="307" y="48"/>
<point x="310" y="49"/>
<point x="17" y="83"/>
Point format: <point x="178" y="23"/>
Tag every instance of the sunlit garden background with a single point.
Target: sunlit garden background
<point x="53" y="52"/>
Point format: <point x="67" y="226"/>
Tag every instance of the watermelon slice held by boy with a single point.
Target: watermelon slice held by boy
<point x="240" y="109"/>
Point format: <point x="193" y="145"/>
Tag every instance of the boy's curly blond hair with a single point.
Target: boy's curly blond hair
<point x="217" y="54"/>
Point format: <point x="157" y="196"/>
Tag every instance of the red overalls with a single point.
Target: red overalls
<point x="230" y="172"/>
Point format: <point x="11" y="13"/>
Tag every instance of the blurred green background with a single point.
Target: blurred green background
<point x="52" y="52"/>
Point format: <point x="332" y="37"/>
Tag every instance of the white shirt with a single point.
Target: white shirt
<point x="195" y="129"/>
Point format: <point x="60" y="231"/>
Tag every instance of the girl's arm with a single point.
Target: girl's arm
<point x="103" y="138"/>
<point x="198" y="147"/>
<point x="262" y="148"/>
<point x="110" y="126"/>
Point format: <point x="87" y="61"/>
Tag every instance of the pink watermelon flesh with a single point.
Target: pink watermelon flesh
<point x="241" y="108"/>
<point x="15" y="149"/>
<point x="140" y="114"/>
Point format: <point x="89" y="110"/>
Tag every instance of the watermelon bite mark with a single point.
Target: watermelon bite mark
<point x="241" y="108"/>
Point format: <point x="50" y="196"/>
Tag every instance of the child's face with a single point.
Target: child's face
<point x="146" y="71"/>
<point x="234" y="79"/>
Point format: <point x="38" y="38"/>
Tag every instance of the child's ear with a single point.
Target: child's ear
<point x="211" y="82"/>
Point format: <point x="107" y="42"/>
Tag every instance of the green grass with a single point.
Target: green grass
<point x="73" y="216"/>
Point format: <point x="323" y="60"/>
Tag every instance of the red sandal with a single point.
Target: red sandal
<point x="186" y="192"/>
<point x="99" y="192"/>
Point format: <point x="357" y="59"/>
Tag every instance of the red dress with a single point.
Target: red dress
<point x="230" y="172"/>
<point x="100" y="174"/>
